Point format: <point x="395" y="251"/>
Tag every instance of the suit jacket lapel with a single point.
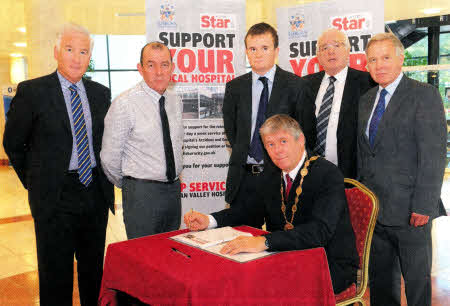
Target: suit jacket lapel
<point x="391" y="110"/>
<point x="277" y="87"/>
<point x="366" y="109"/>
<point x="92" y="105"/>
<point x="56" y="97"/>
<point x="347" y="96"/>
<point x="246" y="104"/>
<point x="315" y="82"/>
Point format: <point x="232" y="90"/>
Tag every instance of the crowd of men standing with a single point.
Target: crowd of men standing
<point x="68" y="147"/>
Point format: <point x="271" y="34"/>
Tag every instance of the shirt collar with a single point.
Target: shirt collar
<point x="65" y="83"/>
<point x="151" y="92"/>
<point x="393" y="86"/>
<point x="269" y="75"/>
<point x="340" y="77"/>
<point x="293" y="173"/>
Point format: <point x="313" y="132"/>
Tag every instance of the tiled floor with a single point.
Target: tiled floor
<point x="18" y="267"/>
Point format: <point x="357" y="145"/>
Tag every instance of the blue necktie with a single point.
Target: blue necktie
<point x="376" y="117"/>
<point x="256" y="147"/>
<point x="323" y="117"/>
<point x="84" y="158"/>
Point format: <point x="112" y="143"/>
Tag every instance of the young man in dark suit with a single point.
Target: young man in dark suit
<point x="52" y="137"/>
<point x="336" y="92"/>
<point x="401" y="158"/>
<point x="249" y="100"/>
<point x="321" y="217"/>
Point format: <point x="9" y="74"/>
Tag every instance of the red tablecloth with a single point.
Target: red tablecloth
<point x="147" y="268"/>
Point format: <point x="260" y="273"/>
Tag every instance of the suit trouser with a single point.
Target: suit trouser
<point x="250" y="198"/>
<point x="78" y="226"/>
<point x="150" y="207"/>
<point x="400" y="251"/>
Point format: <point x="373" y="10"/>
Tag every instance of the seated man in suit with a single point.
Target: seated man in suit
<point x="305" y="208"/>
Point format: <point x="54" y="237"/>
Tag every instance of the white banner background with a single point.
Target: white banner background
<point x="300" y="26"/>
<point x="206" y="39"/>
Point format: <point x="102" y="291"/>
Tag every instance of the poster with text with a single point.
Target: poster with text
<point x="206" y="40"/>
<point x="300" y="26"/>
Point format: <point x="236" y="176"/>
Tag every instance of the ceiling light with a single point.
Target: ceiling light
<point x="390" y="21"/>
<point x="431" y="11"/>
<point x="22" y="29"/>
<point x="20" y="44"/>
<point x="16" y="54"/>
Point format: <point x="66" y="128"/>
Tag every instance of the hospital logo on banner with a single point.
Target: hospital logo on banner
<point x="297" y="25"/>
<point x="167" y="15"/>
<point x="353" y="22"/>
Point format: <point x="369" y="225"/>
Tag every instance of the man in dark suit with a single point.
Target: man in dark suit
<point x="249" y="100"/>
<point x="320" y="218"/>
<point x="401" y="157"/>
<point x="52" y="137"/>
<point x="336" y="91"/>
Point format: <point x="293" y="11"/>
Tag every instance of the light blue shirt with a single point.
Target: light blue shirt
<point x="257" y="88"/>
<point x="65" y="84"/>
<point x="390" y="91"/>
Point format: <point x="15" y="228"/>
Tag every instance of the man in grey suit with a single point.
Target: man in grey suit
<point x="401" y="157"/>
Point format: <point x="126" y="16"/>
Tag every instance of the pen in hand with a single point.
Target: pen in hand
<point x="181" y="253"/>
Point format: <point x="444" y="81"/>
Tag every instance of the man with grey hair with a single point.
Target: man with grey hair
<point x="336" y="92"/>
<point x="401" y="157"/>
<point x="321" y="218"/>
<point x="52" y="138"/>
<point x="142" y="147"/>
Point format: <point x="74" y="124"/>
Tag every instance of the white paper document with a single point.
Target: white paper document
<point x="212" y="240"/>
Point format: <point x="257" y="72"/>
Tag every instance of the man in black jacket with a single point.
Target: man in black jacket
<point x="53" y="137"/>
<point x="304" y="205"/>
<point x="250" y="99"/>
<point x="336" y="92"/>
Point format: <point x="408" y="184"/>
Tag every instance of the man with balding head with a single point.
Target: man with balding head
<point x="142" y="147"/>
<point x="336" y="91"/>
<point x="52" y="137"/>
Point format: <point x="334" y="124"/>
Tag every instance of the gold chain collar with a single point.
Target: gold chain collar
<point x="298" y="191"/>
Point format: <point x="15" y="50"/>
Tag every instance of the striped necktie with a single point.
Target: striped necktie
<point x="323" y="117"/>
<point x="79" y="124"/>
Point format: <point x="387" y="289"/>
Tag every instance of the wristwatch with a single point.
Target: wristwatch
<point x="267" y="243"/>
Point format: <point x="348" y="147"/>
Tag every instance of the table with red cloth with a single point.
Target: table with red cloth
<point x="148" y="269"/>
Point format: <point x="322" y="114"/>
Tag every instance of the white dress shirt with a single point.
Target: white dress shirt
<point x="390" y="91"/>
<point x="331" y="140"/>
<point x="257" y="88"/>
<point x="132" y="140"/>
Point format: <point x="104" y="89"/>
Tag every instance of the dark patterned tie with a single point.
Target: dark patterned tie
<point x="84" y="157"/>
<point x="168" y="149"/>
<point x="323" y="117"/>
<point x="376" y="117"/>
<point x="256" y="147"/>
<point x="288" y="186"/>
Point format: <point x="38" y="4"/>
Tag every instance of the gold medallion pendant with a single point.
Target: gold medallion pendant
<point x="288" y="226"/>
<point x="304" y="172"/>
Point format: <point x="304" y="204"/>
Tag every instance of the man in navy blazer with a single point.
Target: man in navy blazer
<point x="69" y="195"/>
<point x="401" y="158"/>
<point x="287" y="94"/>
<point x="338" y="142"/>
